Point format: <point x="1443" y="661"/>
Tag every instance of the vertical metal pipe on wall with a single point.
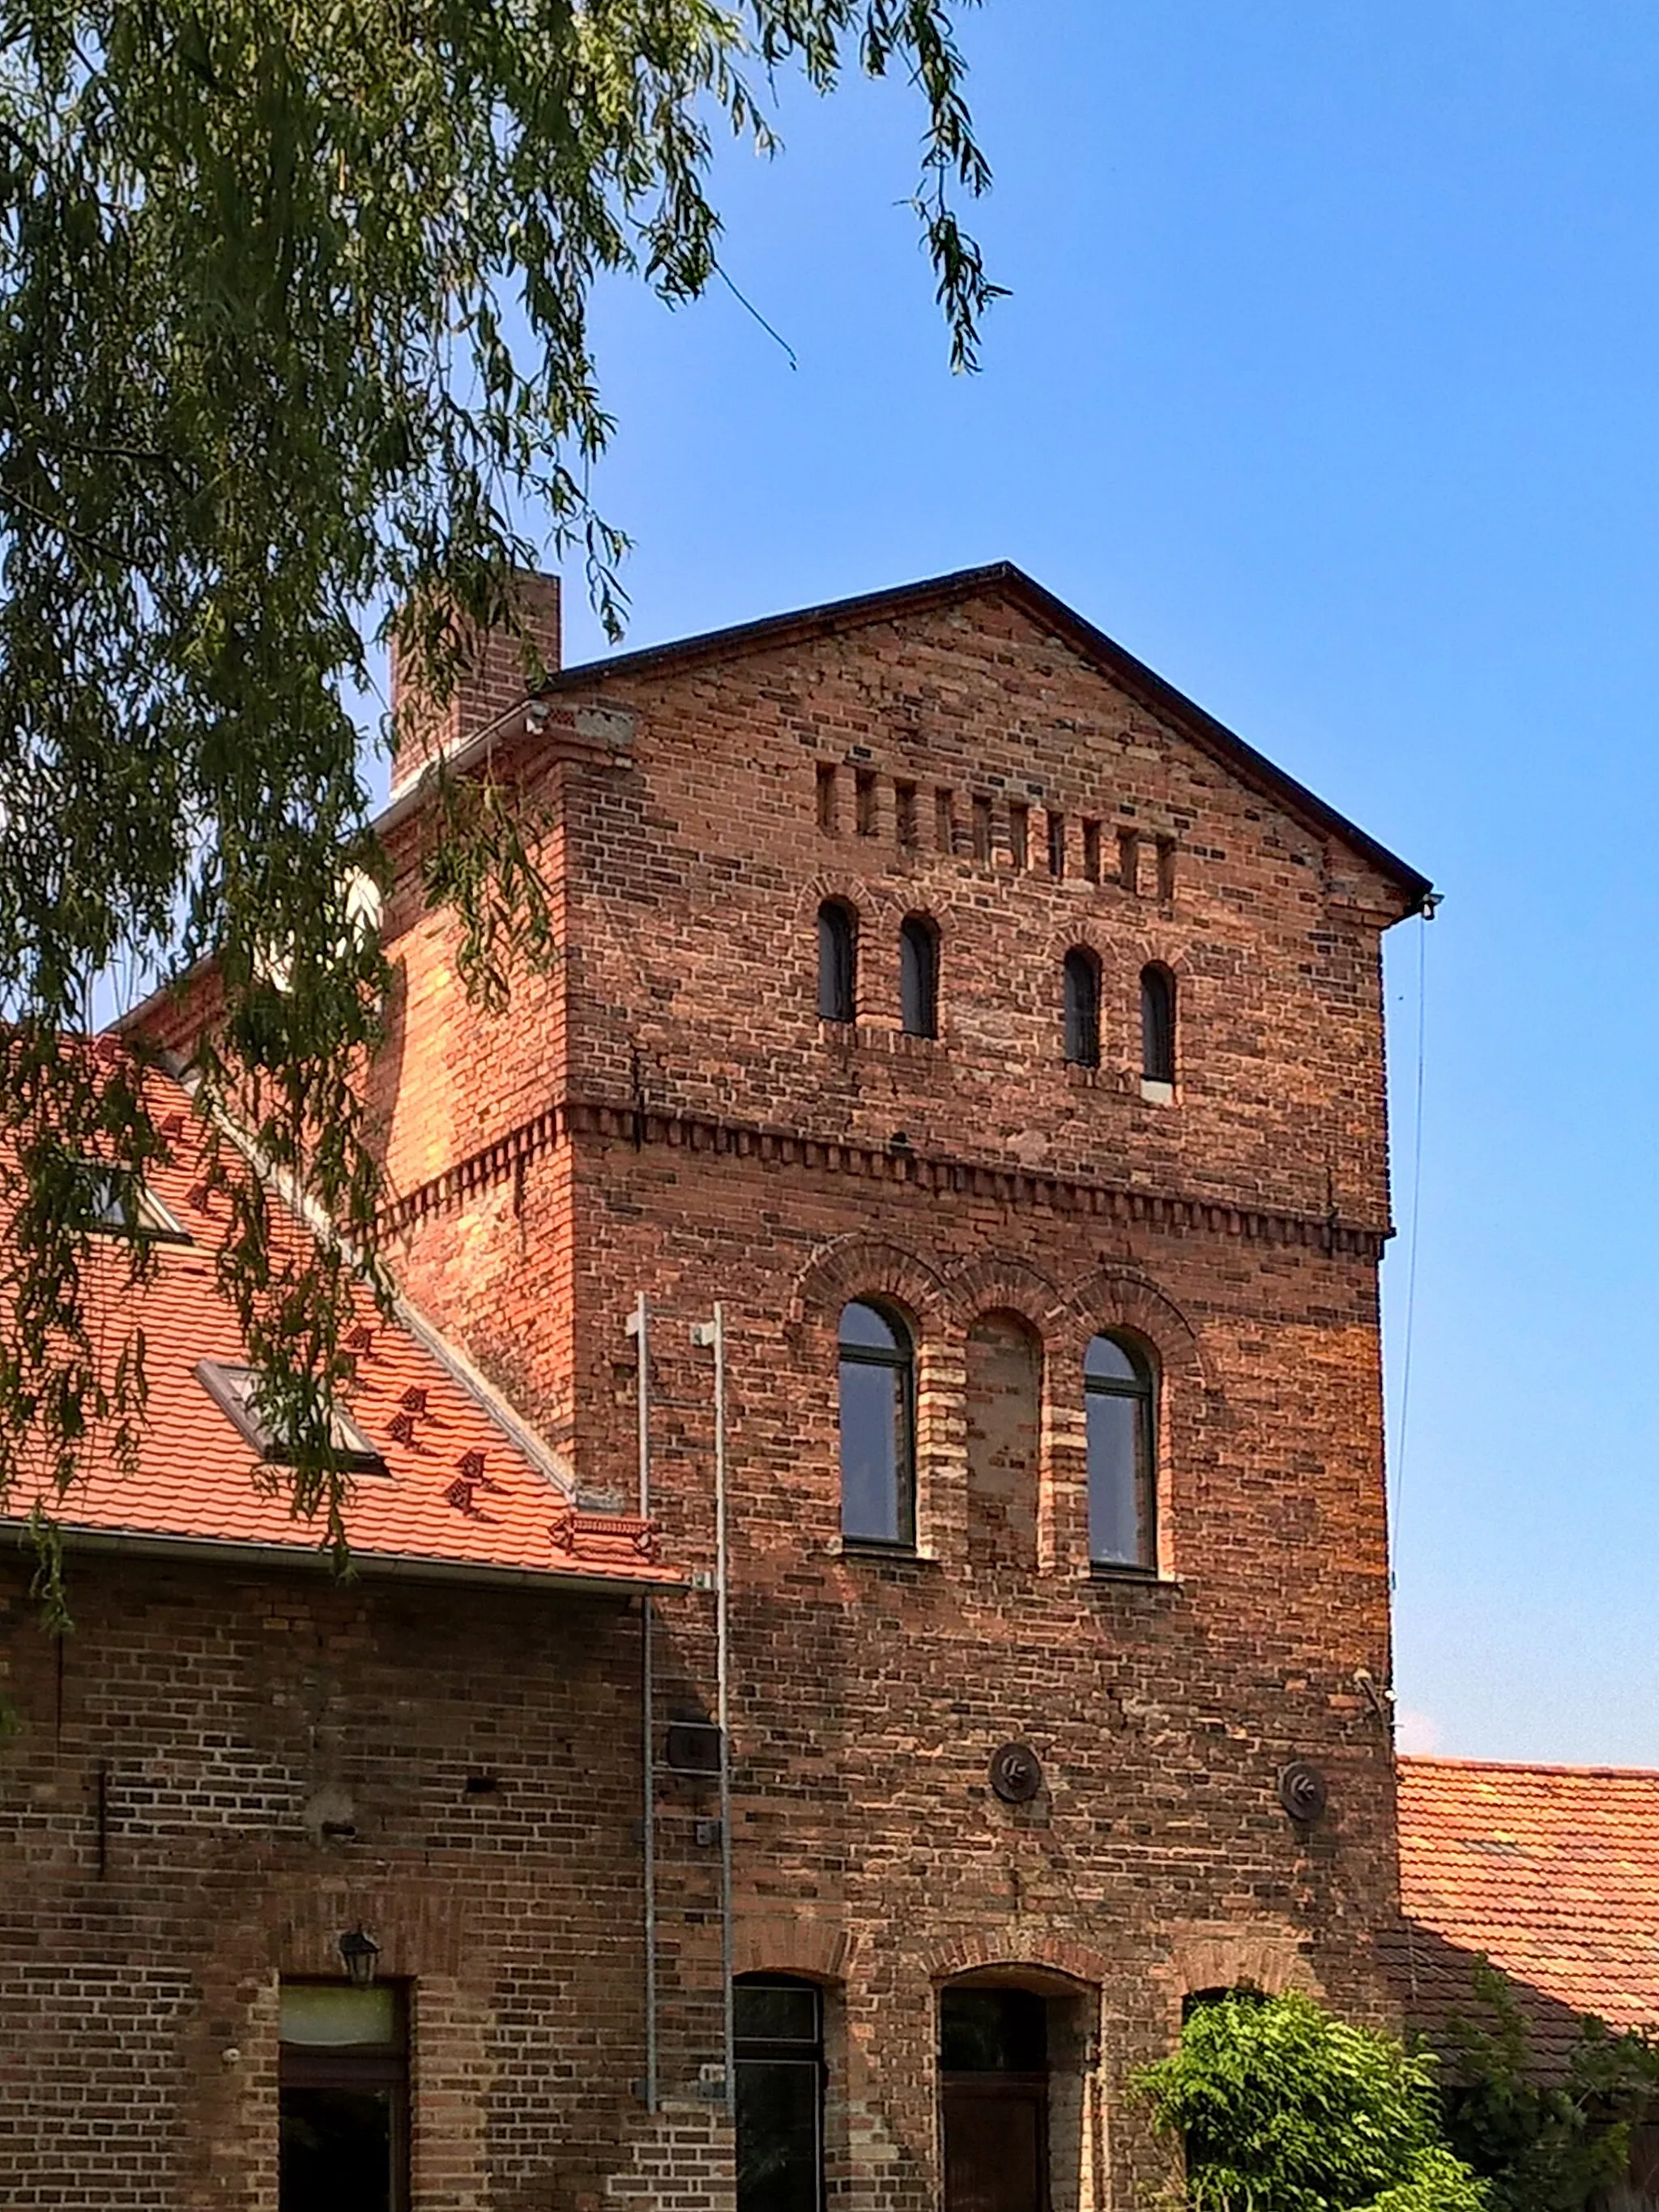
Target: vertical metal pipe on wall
<point x="639" y="1328"/>
<point x="713" y="1332"/>
<point x="723" y="1675"/>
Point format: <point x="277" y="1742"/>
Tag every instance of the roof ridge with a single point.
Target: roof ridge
<point x="1420" y="1759"/>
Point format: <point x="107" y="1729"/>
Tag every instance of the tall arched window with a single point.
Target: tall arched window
<point x="878" y="1426"/>
<point x="1082" y="1007"/>
<point x="838" y="961"/>
<point x="1158" y="1025"/>
<point x="1119" y="1397"/>
<point x="918" y="976"/>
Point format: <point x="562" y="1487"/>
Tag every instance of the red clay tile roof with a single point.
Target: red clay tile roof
<point x="461" y="1490"/>
<point x="1553" y="1872"/>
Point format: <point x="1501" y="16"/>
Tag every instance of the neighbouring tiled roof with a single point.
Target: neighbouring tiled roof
<point x="1551" y="1872"/>
<point x="465" y="1487"/>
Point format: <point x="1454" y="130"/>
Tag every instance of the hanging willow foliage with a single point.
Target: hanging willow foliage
<point x="260" y="269"/>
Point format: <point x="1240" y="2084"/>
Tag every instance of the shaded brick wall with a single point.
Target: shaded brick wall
<point x="232" y="1717"/>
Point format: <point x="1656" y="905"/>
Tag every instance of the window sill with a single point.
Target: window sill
<point x="871" y="1036"/>
<point x="1115" y="1571"/>
<point x="872" y="1548"/>
<point x="141" y="1233"/>
<point x="1156" y="1094"/>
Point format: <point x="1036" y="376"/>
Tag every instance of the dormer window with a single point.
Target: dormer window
<point x="234" y="1390"/>
<point x="112" y="1202"/>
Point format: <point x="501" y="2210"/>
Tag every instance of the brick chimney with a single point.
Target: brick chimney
<point x="498" y="670"/>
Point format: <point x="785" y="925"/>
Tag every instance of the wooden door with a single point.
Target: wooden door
<point x="996" y="2151"/>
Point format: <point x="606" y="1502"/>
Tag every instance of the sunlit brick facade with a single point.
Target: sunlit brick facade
<point x="667" y="1112"/>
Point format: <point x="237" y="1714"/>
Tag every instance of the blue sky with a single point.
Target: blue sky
<point x="1329" y="385"/>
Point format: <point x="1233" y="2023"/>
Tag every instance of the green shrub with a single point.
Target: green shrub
<point x="1283" y="2108"/>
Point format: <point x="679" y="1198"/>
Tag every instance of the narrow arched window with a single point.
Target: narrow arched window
<point x="1082" y="1007"/>
<point x="1158" y="1025"/>
<point x="838" y="961"/>
<point x="1119" y="1398"/>
<point x="918" y="976"/>
<point x="878" y="1426"/>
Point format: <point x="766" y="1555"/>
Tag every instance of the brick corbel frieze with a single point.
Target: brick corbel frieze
<point x="574" y="1117"/>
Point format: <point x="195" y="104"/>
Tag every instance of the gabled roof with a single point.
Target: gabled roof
<point x="1004" y="579"/>
<point x="466" y="1489"/>
<point x="1551" y="1872"/>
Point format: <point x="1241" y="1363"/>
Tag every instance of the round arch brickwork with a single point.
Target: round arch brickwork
<point x="1088" y="931"/>
<point x="1149" y="950"/>
<point x="877" y="909"/>
<point x="1269" y="1959"/>
<point x="1119" y="1296"/>
<point x="1014" y="1949"/>
<point x="837" y="883"/>
<point x="785" y="1944"/>
<point x="1003" y="1286"/>
<point x="862" y="1265"/>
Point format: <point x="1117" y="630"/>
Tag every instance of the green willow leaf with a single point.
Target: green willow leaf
<point x="293" y="321"/>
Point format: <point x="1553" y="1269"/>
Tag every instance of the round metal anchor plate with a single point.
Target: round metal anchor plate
<point x="1016" y="1773"/>
<point x="1301" y="1791"/>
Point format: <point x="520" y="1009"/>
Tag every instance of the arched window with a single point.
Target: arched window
<point x="878" y="1427"/>
<point x="1082" y="1007"/>
<point x="1157" y="1026"/>
<point x="1119" y="1402"/>
<point x="838" y="961"/>
<point x="778" y="2024"/>
<point x="918" y="976"/>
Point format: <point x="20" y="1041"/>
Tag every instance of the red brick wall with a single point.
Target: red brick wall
<point x="496" y="667"/>
<point x="688" y="1128"/>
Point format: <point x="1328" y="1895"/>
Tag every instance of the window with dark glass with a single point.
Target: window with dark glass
<point x="838" y="956"/>
<point x="1082" y="1007"/>
<point x="111" y="1201"/>
<point x="1158" y="1018"/>
<point x="1118" y="1398"/>
<point x="343" y="2099"/>
<point x="235" y="1391"/>
<point x="779" y="2024"/>
<point x="918" y="976"/>
<point x="993" y="2031"/>
<point x="878" y="1426"/>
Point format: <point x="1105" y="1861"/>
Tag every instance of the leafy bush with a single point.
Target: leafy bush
<point x="1545" y="2146"/>
<point x="1285" y="2109"/>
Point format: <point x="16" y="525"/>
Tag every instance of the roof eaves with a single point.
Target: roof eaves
<point x="149" y="1544"/>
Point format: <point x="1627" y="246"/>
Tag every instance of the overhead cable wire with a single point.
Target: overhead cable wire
<point x="1402" y="1416"/>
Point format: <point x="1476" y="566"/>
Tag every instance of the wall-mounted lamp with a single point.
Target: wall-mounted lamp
<point x="358" y="1952"/>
